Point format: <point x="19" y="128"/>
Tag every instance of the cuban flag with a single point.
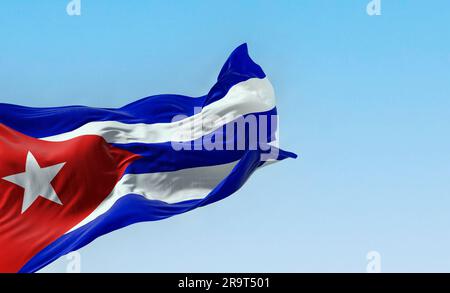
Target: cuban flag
<point x="71" y="174"/>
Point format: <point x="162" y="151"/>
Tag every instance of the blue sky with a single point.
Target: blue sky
<point x="364" y="100"/>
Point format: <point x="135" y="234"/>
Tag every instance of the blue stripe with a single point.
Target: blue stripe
<point x="135" y="208"/>
<point x="43" y="122"/>
<point x="162" y="157"/>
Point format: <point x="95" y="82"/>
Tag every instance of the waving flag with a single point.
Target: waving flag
<point x="71" y="174"/>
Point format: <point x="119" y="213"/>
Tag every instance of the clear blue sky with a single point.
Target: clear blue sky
<point x="364" y="101"/>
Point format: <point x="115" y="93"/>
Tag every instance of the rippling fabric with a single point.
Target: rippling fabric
<point x="120" y="166"/>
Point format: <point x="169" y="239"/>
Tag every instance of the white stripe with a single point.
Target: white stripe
<point x="170" y="187"/>
<point x="250" y="96"/>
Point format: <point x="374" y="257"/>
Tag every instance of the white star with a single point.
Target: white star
<point x="36" y="181"/>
